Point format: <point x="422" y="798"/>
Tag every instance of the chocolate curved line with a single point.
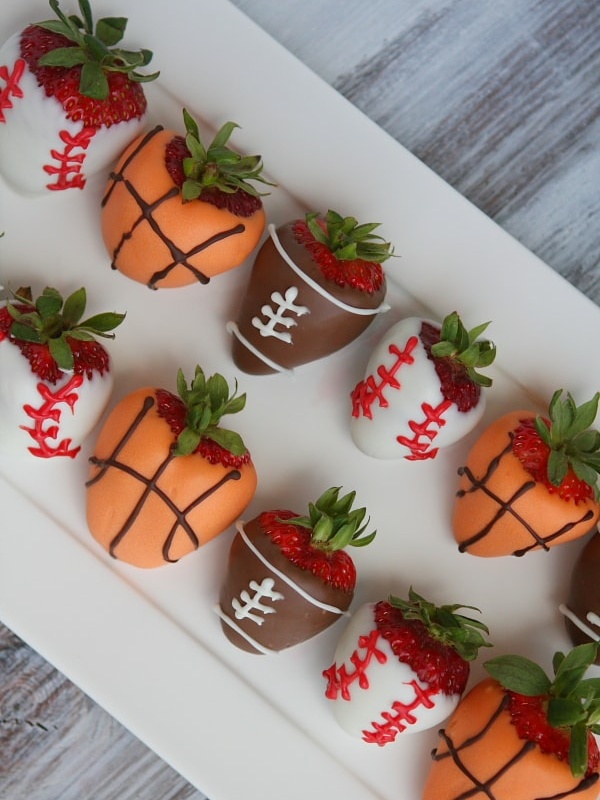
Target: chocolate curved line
<point x="116" y="177"/>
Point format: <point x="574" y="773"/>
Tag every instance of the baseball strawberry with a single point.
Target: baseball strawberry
<point x="288" y="576"/>
<point x="70" y="100"/>
<point x="422" y="389"/>
<point x="176" y="212"/>
<point x="56" y="378"/>
<point x="530" y="482"/>
<point x="401" y="666"/>
<point x="165" y="476"/>
<point x="316" y="284"/>
<point x="521" y="736"/>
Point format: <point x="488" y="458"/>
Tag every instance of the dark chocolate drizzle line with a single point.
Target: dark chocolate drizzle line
<point x="506" y="507"/>
<point x="151" y="487"/>
<point x="180" y="258"/>
<point x="486" y="788"/>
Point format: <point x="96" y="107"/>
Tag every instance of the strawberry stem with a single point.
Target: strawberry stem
<point x="465" y="347"/>
<point x="333" y="523"/>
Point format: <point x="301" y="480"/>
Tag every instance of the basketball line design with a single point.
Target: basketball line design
<point x="151" y="487"/>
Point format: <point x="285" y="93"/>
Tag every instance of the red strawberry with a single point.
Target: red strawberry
<point x="288" y="577"/>
<point x="422" y="389"/>
<point x="56" y="378"/>
<point x="72" y="100"/>
<point x="530" y="482"/>
<point x="316" y="284"/>
<point x="401" y="666"/>
<point x="522" y="736"/>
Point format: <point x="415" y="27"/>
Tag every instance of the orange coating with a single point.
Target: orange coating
<point x="116" y="494"/>
<point x="505" y="514"/>
<point x="531" y="774"/>
<point x="165" y="235"/>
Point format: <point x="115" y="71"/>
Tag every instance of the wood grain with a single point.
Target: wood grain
<point x="501" y="98"/>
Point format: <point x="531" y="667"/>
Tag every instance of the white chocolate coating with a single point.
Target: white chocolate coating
<point x="418" y="385"/>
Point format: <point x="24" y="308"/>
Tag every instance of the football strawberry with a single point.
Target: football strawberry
<point x="582" y="609"/>
<point x="71" y="100"/>
<point x="316" y="284"/>
<point x="165" y="476"/>
<point x="530" y="482"/>
<point x="422" y="389"/>
<point x="401" y="666"/>
<point x="521" y="736"/>
<point x="177" y="212"/>
<point x="288" y="576"/>
<point x="56" y="378"/>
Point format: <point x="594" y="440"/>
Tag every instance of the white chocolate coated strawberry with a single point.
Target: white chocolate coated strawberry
<point x="41" y="150"/>
<point x="375" y="696"/>
<point x="398" y="410"/>
<point x="44" y="420"/>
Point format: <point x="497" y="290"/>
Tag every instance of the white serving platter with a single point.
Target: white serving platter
<point x="146" y="645"/>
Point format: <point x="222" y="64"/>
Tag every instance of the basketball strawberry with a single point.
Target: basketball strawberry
<point x="316" y="284"/>
<point x="176" y="212"/>
<point x="530" y="482"/>
<point x="56" y="377"/>
<point x="288" y="576"/>
<point x="165" y="477"/>
<point x="70" y="100"/>
<point x="519" y="735"/>
<point x="422" y="390"/>
<point x="401" y="666"/>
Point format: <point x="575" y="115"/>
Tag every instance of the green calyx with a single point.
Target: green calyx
<point x="572" y="441"/>
<point x="53" y="321"/>
<point x="463" y="634"/>
<point x="207" y="400"/>
<point x="333" y="523"/>
<point x="573" y="703"/>
<point x="465" y="347"/>
<point x="347" y="240"/>
<point x="218" y="166"/>
<point x="94" y="50"/>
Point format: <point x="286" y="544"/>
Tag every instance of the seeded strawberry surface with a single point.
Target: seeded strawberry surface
<point x="125" y="100"/>
<point x="335" y="568"/>
<point x="239" y="203"/>
<point x="435" y="664"/>
<point x="455" y="383"/>
<point x="533" y="453"/>
<point x="172" y="409"/>
<point x="366" y="276"/>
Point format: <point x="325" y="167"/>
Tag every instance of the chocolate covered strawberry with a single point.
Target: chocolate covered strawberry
<point x="401" y="666"/>
<point x="70" y="100"/>
<point x="582" y="609"/>
<point x="177" y="212"/>
<point x="530" y="482"/>
<point x="288" y="576"/>
<point x="316" y="284"/>
<point x="422" y="390"/>
<point x="165" y="476"/>
<point x="55" y="377"/>
<point x="520" y="735"/>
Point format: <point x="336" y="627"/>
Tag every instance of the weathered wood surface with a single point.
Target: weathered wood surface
<point x="501" y="98"/>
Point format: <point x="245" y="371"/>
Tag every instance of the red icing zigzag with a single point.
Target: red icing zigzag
<point x="68" y="172"/>
<point x="12" y="88"/>
<point x="49" y="411"/>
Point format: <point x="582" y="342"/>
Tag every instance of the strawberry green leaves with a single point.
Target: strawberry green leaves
<point x="444" y="624"/>
<point x="573" y="443"/>
<point x="52" y="321"/>
<point x="94" y="50"/>
<point x="207" y="400"/>
<point x="347" y="240"/>
<point x="573" y="703"/>
<point x="333" y="523"/>
<point x="218" y="166"/>
<point x="465" y="346"/>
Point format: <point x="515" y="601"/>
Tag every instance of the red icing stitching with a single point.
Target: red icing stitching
<point x="339" y="679"/>
<point x="12" y="87"/>
<point x="366" y="392"/>
<point x="48" y="412"/>
<point x="419" y="449"/>
<point x="402" y="718"/>
<point x="68" y="172"/>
